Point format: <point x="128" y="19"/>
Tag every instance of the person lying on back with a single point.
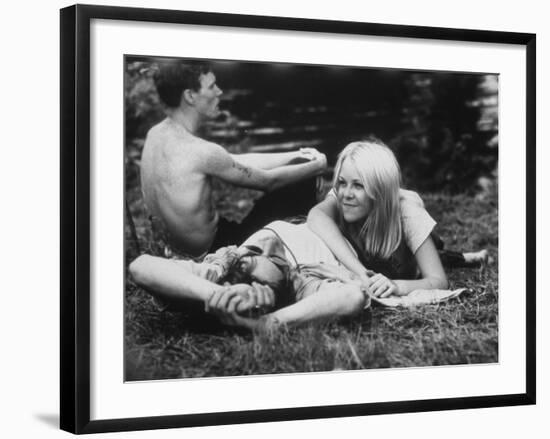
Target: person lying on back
<point x="282" y="275"/>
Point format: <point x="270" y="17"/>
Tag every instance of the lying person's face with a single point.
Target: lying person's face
<point x="262" y="270"/>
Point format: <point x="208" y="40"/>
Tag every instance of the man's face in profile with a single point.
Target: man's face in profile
<point x="207" y="98"/>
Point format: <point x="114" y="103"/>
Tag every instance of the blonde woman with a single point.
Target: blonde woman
<point x="388" y="227"/>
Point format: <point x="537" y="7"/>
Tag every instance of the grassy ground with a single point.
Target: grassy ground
<point x="465" y="330"/>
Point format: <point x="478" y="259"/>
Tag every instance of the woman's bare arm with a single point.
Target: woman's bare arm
<point x="431" y="269"/>
<point x="322" y="221"/>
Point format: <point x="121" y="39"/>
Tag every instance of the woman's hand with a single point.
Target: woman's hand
<point x="365" y="283"/>
<point x="382" y="287"/>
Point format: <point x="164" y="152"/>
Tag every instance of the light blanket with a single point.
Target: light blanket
<point x="419" y="297"/>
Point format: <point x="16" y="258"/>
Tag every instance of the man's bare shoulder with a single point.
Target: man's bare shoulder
<point x="178" y="149"/>
<point x="157" y="130"/>
<point x="165" y="133"/>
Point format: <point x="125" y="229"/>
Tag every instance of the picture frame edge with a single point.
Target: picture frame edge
<point x="75" y="215"/>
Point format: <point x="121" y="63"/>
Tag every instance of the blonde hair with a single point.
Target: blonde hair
<point x="380" y="234"/>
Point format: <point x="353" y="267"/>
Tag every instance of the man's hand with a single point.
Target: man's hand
<point x="321" y="159"/>
<point x="312" y="154"/>
<point x="308" y="153"/>
<point x="304" y="155"/>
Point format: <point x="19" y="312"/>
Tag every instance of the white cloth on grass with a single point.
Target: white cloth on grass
<point x="419" y="297"/>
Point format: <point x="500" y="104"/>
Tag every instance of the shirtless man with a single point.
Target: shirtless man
<point x="177" y="166"/>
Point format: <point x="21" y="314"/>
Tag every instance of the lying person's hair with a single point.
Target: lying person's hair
<point x="282" y="289"/>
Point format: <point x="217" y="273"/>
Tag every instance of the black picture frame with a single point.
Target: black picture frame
<point x="75" y="217"/>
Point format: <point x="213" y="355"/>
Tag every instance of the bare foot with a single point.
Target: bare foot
<point x="476" y="258"/>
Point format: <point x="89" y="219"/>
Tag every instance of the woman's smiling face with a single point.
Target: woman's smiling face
<point x="352" y="197"/>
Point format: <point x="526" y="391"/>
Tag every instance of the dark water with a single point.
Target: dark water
<point x="443" y="127"/>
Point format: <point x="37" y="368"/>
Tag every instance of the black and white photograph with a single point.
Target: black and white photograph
<point x="285" y="218"/>
<point x="271" y="218"/>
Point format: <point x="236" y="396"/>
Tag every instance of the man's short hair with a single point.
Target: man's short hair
<point x="173" y="77"/>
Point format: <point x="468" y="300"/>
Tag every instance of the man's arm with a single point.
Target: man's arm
<point x="219" y="163"/>
<point x="264" y="160"/>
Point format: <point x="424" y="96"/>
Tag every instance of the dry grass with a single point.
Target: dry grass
<point x="161" y="344"/>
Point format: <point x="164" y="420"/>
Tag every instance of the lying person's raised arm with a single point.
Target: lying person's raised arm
<point x="171" y="280"/>
<point x="175" y="282"/>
